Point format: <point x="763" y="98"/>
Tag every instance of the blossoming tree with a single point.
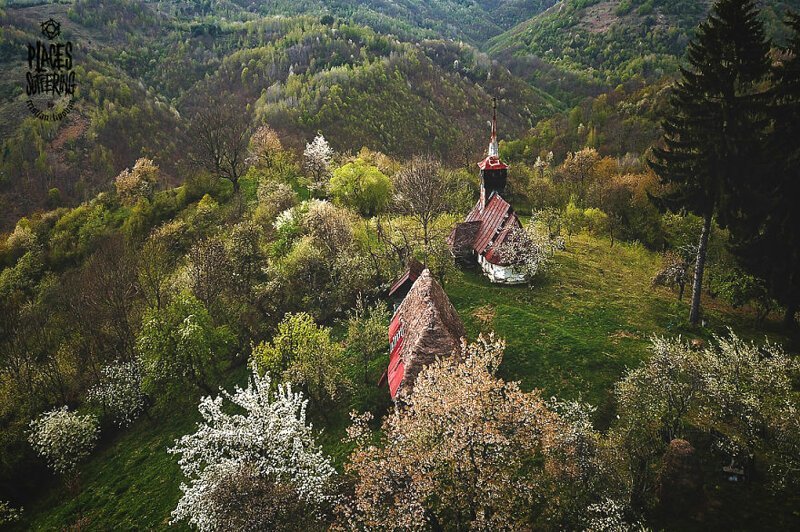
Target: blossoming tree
<point x="738" y="393"/>
<point x="64" y="439"/>
<point x="268" y="443"/>
<point x="120" y="391"/>
<point x="462" y="451"/>
<point x="317" y="161"/>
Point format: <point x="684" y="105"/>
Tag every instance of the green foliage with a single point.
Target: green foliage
<point x="288" y="228"/>
<point x="248" y="185"/>
<point x="23" y="277"/>
<point x="572" y="336"/>
<point x="624" y="123"/>
<point x="366" y="332"/>
<point x="361" y="186"/>
<point x="303" y="353"/>
<point x="568" y="338"/>
<point x="206" y="214"/>
<point x="716" y="127"/>
<point x="77" y="231"/>
<point x="596" y="221"/>
<point x="574" y="219"/>
<point x="639" y="39"/>
<point x="54" y="198"/>
<point x="765" y="224"/>
<point x="712" y="109"/>
<point x="739" y="288"/>
<point x="180" y="344"/>
<point x="738" y="393"/>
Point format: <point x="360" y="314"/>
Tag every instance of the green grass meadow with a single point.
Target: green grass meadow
<point x="572" y="334"/>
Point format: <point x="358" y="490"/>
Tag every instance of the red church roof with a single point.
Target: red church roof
<point x="396" y="369"/>
<point x="492" y="163"/>
<point x="497" y="220"/>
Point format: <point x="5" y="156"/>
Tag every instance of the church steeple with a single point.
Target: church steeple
<point x="494" y="150"/>
<point x="494" y="172"/>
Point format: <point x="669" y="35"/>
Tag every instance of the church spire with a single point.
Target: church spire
<point x="493" y="148"/>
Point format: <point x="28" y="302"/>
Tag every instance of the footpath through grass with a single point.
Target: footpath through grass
<point x="572" y="334"/>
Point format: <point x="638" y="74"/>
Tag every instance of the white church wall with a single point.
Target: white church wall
<point x="501" y="274"/>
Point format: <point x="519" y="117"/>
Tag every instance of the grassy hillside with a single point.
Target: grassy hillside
<point x="582" y="324"/>
<point x="572" y="335"/>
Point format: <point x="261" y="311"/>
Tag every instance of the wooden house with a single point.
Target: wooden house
<point x="424" y="326"/>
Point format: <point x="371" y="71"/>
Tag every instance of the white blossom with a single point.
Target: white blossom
<point x="63" y="438"/>
<point x="528" y="250"/>
<point x="317" y="160"/>
<point x="609" y="516"/>
<point x="270" y="435"/>
<point x="9" y="514"/>
<point x="284" y="219"/>
<point x="120" y="391"/>
<point x="740" y="393"/>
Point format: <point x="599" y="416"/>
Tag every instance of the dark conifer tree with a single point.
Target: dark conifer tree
<point x="766" y="231"/>
<point x="716" y="124"/>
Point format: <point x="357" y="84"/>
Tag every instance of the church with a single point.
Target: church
<point x="490" y="222"/>
<point x="425" y="324"/>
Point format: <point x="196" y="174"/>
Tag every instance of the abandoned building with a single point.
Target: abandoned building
<point x="424" y="326"/>
<point x="490" y="222"/>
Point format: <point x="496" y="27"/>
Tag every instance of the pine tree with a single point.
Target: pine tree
<point x="766" y="233"/>
<point x="716" y="124"/>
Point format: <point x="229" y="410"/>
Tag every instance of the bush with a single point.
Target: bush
<point x="181" y="343"/>
<point x="63" y="438"/>
<point x="304" y="353"/>
<point x="596" y="221"/>
<point x="53" y="198"/>
<point x="138" y="182"/>
<point x="119" y="392"/>
<point x="361" y="186"/>
<point x="267" y="455"/>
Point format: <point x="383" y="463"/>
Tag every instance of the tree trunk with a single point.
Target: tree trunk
<point x="788" y="317"/>
<point x="702" y="251"/>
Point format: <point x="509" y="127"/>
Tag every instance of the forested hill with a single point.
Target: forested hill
<point x="613" y="41"/>
<point x="140" y="67"/>
<point x="470" y="20"/>
<point x="398" y="77"/>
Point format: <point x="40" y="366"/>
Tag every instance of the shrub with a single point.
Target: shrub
<point x="120" y="391"/>
<point x="361" y="186"/>
<point x="304" y="353"/>
<point x="63" y="438"/>
<point x="268" y="451"/>
<point x="138" y="182"/>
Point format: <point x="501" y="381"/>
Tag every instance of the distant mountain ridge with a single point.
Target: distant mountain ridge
<point x="612" y="41"/>
<point x="402" y="76"/>
<point x="471" y="20"/>
<point x="139" y="65"/>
